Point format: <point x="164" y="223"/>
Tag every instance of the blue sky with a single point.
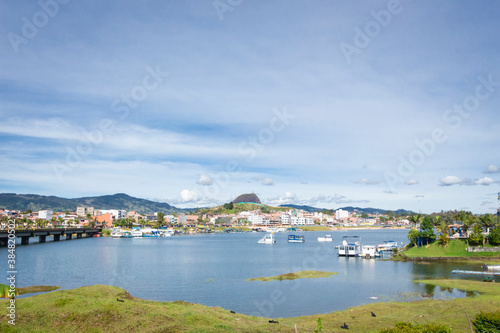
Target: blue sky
<point x="388" y="104"/>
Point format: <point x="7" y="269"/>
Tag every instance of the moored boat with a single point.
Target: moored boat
<point x="350" y="247"/>
<point x="116" y="233"/>
<point x="326" y="238"/>
<point x="296" y="239"/>
<point x="267" y="239"/>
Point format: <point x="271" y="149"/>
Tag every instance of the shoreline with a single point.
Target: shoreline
<point x="99" y="307"/>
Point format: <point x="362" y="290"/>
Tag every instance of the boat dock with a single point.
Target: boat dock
<point x="489" y="273"/>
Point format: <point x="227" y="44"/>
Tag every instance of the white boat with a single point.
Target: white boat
<point x="491" y="268"/>
<point x="151" y="233"/>
<point x="136" y="232"/>
<point x="267" y="239"/>
<point x="276" y="229"/>
<point x="327" y="238"/>
<point x="350" y="247"/>
<point x="116" y="233"/>
<point x="387" y="245"/>
<point x="369" y="251"/>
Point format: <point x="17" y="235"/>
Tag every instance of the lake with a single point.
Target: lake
<point x="212" y="269"/>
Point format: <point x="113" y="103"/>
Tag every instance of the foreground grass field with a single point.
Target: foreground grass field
<point x="100" y="308"/>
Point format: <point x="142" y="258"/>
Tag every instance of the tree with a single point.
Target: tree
<point x="443" y="229"/>
<point x="160" y="218"/>
<point x="488" y="221"/>
<point x="415" y="219"/>
<point x="426" y="229"/>
<point x="413" y="236"/>
<point x="476" y="238"/>
<point x="494" y="236"/>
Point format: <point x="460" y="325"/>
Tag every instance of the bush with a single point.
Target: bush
<point x="476" y="238"/>
<point x="417" y="328"/>
<point x="106" y="232"/>
<point x="487" y="322"/>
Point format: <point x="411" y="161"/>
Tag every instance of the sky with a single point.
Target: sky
<point x="387" y="104"/>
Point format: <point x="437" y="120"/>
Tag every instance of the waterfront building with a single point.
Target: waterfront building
<point x="341" y="214"/>
<point x="83" y="211"/>
<point x="45" y="215"/>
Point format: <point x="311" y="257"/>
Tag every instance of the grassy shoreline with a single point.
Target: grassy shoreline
<point x="454" y="251"/>
<point x="99" y="308"/>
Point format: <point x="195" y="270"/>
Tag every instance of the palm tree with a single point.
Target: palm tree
<point x="487" y="221"/>
<point x="414" y="219"/>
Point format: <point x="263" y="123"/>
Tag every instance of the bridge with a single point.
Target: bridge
<point x="42" y="234"/>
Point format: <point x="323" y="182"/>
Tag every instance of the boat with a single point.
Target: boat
<point x="127" y="234"/>
<point x="387" y="245"/>
<point x="136" y="232"/>
<point x="296" y="239"/>
<point x="459" y="271"/>
<point x="276" y="229"/>
<point x="350" y="247"/>
<point x="491" y="267"/>
<point x="267" y="239"/>
<point x="151" y="233"/>
<point x="369" y="251"/>
<point x="327" y="238"/>
<point x="116" y="233"/>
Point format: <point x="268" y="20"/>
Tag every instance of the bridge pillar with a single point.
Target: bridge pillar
<point x="57" y="238"/>
<point x="78" y="236"/>
<point x="69" y="236"/>
<point x="25" y="240"/>
<point x="42" y="238"/>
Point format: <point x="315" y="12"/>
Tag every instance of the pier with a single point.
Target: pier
<point x="26" y="234"/>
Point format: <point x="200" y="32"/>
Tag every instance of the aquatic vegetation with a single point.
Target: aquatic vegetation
<point x="296" y="275"/>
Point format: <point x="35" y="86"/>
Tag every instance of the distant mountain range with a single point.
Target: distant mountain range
<point x="350" y="209"/>
<point x="36" y="202"/>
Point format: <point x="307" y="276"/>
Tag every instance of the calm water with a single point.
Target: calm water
<point x="211" y="269"/>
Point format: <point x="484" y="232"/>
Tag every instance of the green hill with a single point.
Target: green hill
<point x="36" y="202"/>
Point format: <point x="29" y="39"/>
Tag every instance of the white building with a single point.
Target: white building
<point x="341" y="214"/>
<point x="45" y="215"/>
<point x="296" y="220"/>
<point x="285" y="218"/>
<point x="256" y="219"/>
<point x="116" y="213"/>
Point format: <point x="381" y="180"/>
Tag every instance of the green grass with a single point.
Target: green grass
<point x="96" y="309"/>
<point x="296" y="275"/>
<point x="315" y="228"/>
<point x="455" y="248"/>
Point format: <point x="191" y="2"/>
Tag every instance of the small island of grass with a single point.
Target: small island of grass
<point x="296" y="275"/>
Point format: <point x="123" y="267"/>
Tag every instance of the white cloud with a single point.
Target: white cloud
<point x="189" y="196"/>
<point x="492" y="169"/>
<point x="485" y="181"/>
<point x="267" y="182"/>
<point x="204" y="180"/>
<point x="289" y="195"/>
<point x="451" y="180"/>
<point x="367" y="181"/>
<point x="419" y="196"/>
<point x="412" y="182"/>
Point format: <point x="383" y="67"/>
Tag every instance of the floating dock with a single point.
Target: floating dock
<point x="489" y="273"/>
